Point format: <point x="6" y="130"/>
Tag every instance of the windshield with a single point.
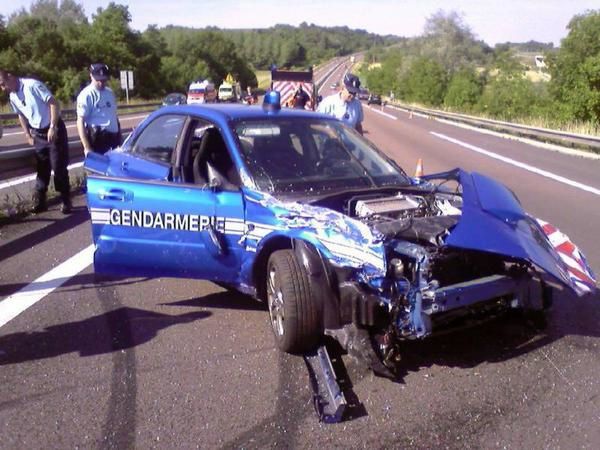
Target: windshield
<point x="312" y="155"/>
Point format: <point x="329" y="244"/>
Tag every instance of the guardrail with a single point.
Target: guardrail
<point x="69" y="114"/>
<point x="25" y="151"/>
<point x="565" y="139"/>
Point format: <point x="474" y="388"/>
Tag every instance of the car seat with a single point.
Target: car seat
<point x="213" y="149"/>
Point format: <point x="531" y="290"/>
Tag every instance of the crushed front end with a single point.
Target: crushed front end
<point x="452" y="257"/>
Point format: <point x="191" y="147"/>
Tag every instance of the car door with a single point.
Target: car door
<point x="146" y="223"/>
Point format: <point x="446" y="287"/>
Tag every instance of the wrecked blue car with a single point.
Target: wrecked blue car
<point x="303" y="213"/>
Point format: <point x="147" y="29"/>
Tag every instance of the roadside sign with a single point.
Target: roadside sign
<point x="127" y="82"/>
<point x="123" y="79"/>
<point x="130" y="79"/>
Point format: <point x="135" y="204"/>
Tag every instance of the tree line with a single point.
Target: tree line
<point x="449" y="67"/>
<point x="55" y="42"/>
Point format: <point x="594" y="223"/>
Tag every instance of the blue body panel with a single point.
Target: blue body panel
<point x="492" y="220"/>
<point x="150" y="229"/>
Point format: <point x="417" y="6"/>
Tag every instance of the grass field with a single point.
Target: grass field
<point x="264" y="79"/>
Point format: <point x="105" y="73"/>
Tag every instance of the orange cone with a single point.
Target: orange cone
<point x="419" y="169"/>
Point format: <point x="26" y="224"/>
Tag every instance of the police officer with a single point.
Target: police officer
<point x="97" y="122"/>
<point x="301" y="98"/>
<point x="344" y="105"/>
<point x="39" y="116"/>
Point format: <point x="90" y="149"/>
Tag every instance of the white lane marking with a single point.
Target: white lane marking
<point x="18" y="302"/>
<point x="382" y="113"/>
<point x="533" y="142"/>
<point x="519" y="164"/>
<point x="544" y="145"/>
<point x="27" y="178"/>
<point x="74" y="125"/>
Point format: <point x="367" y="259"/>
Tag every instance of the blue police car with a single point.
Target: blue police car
<point x="300" y="211"/>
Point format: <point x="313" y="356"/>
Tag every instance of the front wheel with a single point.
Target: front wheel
<point x="295" y="317"/>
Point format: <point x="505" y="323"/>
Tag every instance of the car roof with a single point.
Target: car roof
<point x="228" y="112"/>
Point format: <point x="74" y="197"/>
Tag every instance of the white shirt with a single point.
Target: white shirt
<point x="31" y="101"/>
<point x="350" y="112"/>
<point x="98" y="108"/>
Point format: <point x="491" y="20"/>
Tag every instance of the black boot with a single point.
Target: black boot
<point x="66" y="207"/>
<point x="39" y="202"/>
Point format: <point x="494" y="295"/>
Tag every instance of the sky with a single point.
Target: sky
<point x="491" y="21"/>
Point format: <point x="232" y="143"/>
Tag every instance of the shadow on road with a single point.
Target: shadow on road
<point x="503" y="338"/>
<point x="73" y="284"/>
<point x="53" y="229"/>
<point x="226" y="300"/>
<point x="119" y="329"/>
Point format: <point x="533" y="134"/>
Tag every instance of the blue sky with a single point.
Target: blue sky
<point x="492" y="21"/>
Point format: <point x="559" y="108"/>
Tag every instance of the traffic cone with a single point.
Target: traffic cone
<point x="419" y="169"/>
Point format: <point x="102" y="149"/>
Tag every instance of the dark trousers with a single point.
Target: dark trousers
<point x="102" y="141"/>
<point x="52" y="156"/>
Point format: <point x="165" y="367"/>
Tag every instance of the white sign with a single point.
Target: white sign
<point x="130" y="79"/>
<point x="123" y="79"/>
<point x="126" y="79"/>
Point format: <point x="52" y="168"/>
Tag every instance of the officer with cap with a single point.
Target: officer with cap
<point x="97" y="122"/>
<point x="301" y="98"/>
<point x="344" y="105"/>
<point x="39" y="116"/>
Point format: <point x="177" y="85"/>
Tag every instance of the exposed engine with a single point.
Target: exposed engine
<point x="424" y="274"/>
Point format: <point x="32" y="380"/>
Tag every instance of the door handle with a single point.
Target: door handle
<point x="125" y="166"/>
<point x="115" y="194"/>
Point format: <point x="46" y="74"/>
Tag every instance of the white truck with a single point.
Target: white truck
<point x="201" y="92"/>
<point x="229" y="92"/>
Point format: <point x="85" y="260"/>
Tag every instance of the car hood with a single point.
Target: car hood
<point x="493" y="220"/>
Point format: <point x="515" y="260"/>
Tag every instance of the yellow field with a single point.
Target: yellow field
<point x="264" y="79"/>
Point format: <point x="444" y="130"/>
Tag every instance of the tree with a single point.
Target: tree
<point x="426" y="82"/>
<point x="450" y="42"/>
<point x="464" y="90"/>
<point x="575" y="69"/>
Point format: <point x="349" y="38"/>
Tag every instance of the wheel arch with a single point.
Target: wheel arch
<point x="321" y="274"/>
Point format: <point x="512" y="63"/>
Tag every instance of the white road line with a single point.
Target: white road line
<point x="14" y="305"/>
<point x="519" y="164"/>
<point x="382" y="113"/>
<point x="27" y="178"/>
<point x="540" y="144"/>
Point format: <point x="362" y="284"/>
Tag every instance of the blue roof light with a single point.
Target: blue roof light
<point x="272" y="101"/>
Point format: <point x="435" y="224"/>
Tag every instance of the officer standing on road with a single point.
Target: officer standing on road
<point x="97" y="121"/>
<point x="301" y="98"/>
<point x="344" y="105"/>
<point x="39" y="116"/>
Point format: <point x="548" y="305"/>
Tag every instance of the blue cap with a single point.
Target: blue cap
<point x="272" y="101"/>
<point x="352" y="83"/>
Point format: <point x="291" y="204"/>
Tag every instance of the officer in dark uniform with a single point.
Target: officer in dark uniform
<point x="39" y="116"/>
<point x="97" y="121"/>
<point x="301" y="98"/>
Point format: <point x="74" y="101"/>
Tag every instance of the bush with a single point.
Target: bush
<point x="464" y="90"/>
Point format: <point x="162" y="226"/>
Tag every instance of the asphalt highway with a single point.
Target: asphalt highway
<point x="100" y="362"/>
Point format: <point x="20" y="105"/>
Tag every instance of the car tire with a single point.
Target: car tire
<point x="292" y="310"/>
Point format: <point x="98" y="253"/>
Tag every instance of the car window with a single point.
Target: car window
<point x="292" y="155"/>
<point x="158" y="140"/>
